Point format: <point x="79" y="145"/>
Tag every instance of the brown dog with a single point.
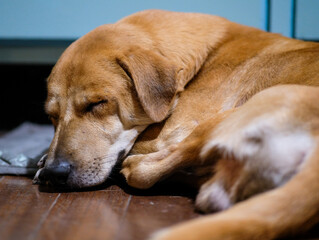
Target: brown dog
<point x="178" y="69"/>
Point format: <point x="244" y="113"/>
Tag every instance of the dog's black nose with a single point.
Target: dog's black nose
<point x="57" y="173"/>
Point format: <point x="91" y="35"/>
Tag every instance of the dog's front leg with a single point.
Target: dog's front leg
<point x="144" y="170"/>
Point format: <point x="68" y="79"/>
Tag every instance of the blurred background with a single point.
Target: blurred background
<point x="34" y="33"/>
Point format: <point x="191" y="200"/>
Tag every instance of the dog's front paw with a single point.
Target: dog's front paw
<point x="140" y="171"/>
<point x="144" y="170"/>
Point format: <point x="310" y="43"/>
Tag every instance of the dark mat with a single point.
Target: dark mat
<point x="22" y="148"/>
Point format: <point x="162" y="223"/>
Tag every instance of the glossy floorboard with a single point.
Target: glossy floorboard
<point x="29" y="212"/>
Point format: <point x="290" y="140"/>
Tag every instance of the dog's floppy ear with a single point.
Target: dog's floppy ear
<point x="178" y="45"/>
<point x="154" y="81"/>
<point x="186" y="39"/>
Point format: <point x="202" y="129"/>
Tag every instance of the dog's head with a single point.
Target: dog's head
<point x="104" y="90"/>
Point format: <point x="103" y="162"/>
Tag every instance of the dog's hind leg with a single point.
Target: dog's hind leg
<point x="215" y="194"/>
<point x="292" y="208"/>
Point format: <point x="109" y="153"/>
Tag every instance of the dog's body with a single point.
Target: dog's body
<point x="256" y="147"/>
<point x="187" y="71"/>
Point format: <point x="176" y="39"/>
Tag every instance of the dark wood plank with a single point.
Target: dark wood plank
<point x="22" y="207"/>
<point x="85" y="215"/>
<point x="150" y="210"/>
<point x="147" y="214"/>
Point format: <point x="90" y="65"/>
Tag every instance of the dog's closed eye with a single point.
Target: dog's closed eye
<point x="94" y="105"/>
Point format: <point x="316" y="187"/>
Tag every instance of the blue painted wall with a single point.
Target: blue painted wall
<point x="69" y="19"/>
<point x="307" y="19"/>
<point x="280" y="16"/>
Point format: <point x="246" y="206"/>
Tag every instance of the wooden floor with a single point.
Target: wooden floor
<point x="28" y="212"/>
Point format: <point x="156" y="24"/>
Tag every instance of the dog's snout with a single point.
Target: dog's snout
<point x="56" y="173"/>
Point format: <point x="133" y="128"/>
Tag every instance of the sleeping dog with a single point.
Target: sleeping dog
<point x="190" y="75"/>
